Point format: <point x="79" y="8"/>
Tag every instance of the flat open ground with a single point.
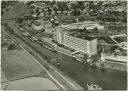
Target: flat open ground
<point x="18" y="64"/>
<point x="32" y="83"/>
<point x="4" y="78"/>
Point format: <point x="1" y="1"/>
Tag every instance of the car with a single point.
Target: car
<point x="21" y="29"/>
<point x="26" y="34"/>
<point x="93" y="86"/>
<point x="34" y="39"/>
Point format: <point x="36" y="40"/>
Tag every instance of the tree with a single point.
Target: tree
<point x="8" y="29"/>
<point x="85" y="58"/>
<point x="94" y="58"/>
<point x="95" y="30"/>
<point x="19" y="20"/>
<point x="11" y="47"/>
<point x="85" y="31"/>
<point x="113" y="48"/>
<point x="3" y="4"/>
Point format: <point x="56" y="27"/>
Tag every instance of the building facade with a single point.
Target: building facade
<point x="82" y="45"/>
<point x="58" y="36"/>
<point x="88" y="47"/>
<point x="113" y="58"/>
<point x="111" y="61"/>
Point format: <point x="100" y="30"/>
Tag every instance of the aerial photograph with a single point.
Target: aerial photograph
<point x="64" y="45"/>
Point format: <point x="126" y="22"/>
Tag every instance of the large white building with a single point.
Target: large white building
<point x="85" y="45"/>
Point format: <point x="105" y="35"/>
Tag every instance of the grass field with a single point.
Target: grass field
<point x="18" y="64"/>
<point x="3" y="77"/>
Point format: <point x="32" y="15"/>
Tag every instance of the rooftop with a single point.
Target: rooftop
<point x="85" y="37"/>
<point x="107" y="39"/>
<point x="116" y="58"/>
<point x="82" y="25"/>
<point x="120" y="38"/>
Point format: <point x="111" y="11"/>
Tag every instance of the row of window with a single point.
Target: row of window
<point x="75" y="43"/>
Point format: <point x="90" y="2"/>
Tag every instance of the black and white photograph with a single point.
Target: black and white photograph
<point x="64" y="45"/>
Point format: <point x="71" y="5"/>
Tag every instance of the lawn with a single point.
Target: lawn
<point x="18" y="64"/>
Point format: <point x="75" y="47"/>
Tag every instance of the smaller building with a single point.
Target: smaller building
<point x="105" y="43"/>
<point x="113" y="57"/>
<point x="114" y="61"/>
<point x="121" y="40"/>
<point x="37" y="26"/>
<point x="86" y="24"/>
<point x="123" y="45"/>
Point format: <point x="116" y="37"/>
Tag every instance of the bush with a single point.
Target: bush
<point x="11" y="46"/>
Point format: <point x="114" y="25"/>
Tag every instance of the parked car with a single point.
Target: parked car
<point x="34" y="39"/>
<point x="26" y="34"/>
<point x="93" y="86"/>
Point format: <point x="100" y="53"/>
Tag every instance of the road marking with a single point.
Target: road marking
<point x="45" y="70"/>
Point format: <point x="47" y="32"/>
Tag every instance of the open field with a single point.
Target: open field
<point x="18" y="64"/>
<point x="3" y="77"/>
<point x="32" y="83"/>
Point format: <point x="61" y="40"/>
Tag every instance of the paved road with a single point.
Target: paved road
<point x="81" y="73"/>
<point x="109" y="80"/>
<point x="64" y="82"/>
<point x="20" y="9"/>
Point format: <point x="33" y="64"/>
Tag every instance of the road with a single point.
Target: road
<point x="111" y="79"/>
<point x="58" y="77"/>
<point x="81" y="73"/>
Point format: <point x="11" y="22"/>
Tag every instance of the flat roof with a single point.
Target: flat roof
<point x="118" y="58"/>
<point x="107" y="39"/>
<point x="85" y="37"/>
<point x="121" y="39"/>
<point x="79" y="25"/>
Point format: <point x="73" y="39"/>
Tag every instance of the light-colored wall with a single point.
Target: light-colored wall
<point x="80" y="44"/>
<point x="119" y="58"/>
<point x="59" y="36"/>
<point x="93" y="47"/>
